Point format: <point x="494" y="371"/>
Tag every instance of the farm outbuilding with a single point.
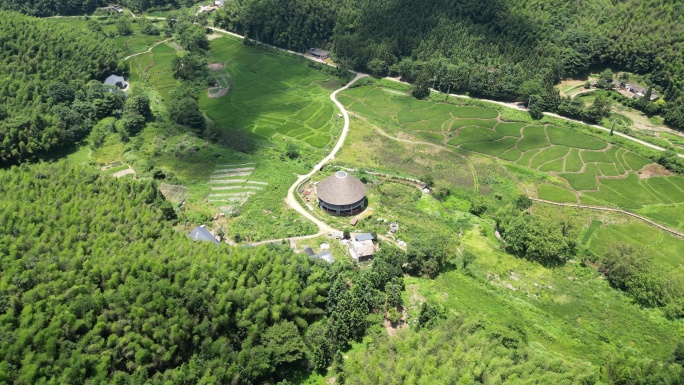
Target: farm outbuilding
<point x="341" y="194"/>
<point x="200" y="233"/>
<point x="116" y="81"/>
<point x="319" y="53"/>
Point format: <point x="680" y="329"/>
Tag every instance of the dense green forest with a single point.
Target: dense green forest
<point x="79" y="7"/>
<point x="503" y="49"/>
<point x="50" y="86"/>
<point x="97" y="286"/>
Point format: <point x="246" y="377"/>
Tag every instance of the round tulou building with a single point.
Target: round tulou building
<point x="341" y="194"/>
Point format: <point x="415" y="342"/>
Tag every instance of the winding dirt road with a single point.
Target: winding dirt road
<point x="148" y="50"/>
<point x="291" y="200"/>
<point x="324" y="228"/>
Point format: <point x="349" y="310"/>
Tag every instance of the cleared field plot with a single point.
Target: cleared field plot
<point x="585" y="180"/>
<point x="570" y="138"/>
<point x="475" y="112"/>
<point x="548" y="154"/>
<point x="635" y="162"/>
<point x="434" y="124"/>
<point x="458" y="123"/>
<point x="492" y="148"/>
<point x="608" y="169"/>
<point x="595" y="225"/>
<point x="526" y="157"/>
<point x="474" y="134"/>
<point x="405" y="116"/>
<point x="510" y="129"/>
<point x="666" y="249"/>
<point x="555" y="166"/>
<point x="434" y="110"/>
<point x="573" y="162"/>
<point x="231" y="186"/>
<point x="433" y="136"/>
<point x="595" y="156"/>
<point x="511" y="155"/>
<point x="556" y="194"/>
<point x="615" y="154"/>
<point x="533" y="137"/>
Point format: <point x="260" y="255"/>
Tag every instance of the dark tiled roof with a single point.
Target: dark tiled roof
<point x="326" y="256"/>
<point x="364" y="237"/>
<point x="202" y="234"/>
<point x="309" y="251"/>
<point x="341" y="189"/>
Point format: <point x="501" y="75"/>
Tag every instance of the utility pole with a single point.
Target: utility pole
<point x="448" y="90"/>
<point x="611" y="128"/>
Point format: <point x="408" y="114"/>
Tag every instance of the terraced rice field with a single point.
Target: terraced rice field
<point x="231" y="186"/>
<point x="265" y="94"/>
<point x="590" y="170"/>
<point x="273" y="96"/>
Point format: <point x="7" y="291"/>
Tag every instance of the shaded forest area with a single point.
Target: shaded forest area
<point x="502" y="49"/>
<point x="48" y="98"/>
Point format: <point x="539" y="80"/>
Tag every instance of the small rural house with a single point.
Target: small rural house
<point x="362" y="251"/>
<point x="319" y="53"/>
<point x="116" y="81"/>
<point x="219" y="3"/>
<point x="639" y="91"/>
<point x="200" y="233"/>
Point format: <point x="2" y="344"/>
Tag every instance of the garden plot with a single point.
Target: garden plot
<point x="231" y="186"/>
<point x="174" y="193"/>
<point x="220" y="80"/>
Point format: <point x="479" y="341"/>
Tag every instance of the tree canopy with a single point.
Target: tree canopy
<point x="48" y="98"/>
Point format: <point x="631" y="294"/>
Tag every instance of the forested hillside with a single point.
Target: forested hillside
<point x="79" y="7"/>
<point x="96" y="285"/>
<point x="47" y="100"/>
<point x="504" y="49"/>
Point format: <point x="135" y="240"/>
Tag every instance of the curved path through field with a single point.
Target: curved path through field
<point x="324" y="228"/>
<point x="291" y="200"/>
<point x="148" y="50"/>
<point x="600" y="208"/>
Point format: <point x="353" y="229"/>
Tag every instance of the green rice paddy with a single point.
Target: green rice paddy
<point x="271" y="94"/>
<point x="592" y="170"/>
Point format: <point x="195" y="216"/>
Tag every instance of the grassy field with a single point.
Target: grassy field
<point x="273" y="96"/>
<point x="590" y="168"/>
<point x="272" y="99"/>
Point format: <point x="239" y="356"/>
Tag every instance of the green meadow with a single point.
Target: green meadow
<point x="582" y="166"/>
<point x="568" y="310"/>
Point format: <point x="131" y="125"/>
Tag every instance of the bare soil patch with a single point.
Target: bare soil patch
<point x="652" y="170"/>
<point x="216" y="66"/>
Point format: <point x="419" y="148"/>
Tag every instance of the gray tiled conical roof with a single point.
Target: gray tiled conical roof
<point x="341" y="189"/>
